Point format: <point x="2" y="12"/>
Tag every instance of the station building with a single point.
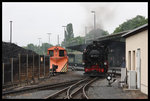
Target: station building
<point x="137" y="56"/>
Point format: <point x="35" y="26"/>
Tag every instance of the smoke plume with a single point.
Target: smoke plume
<point x="105" y="13"/>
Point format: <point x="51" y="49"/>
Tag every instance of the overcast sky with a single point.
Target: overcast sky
<point x="34" y="20"/>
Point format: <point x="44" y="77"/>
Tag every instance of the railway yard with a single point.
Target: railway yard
<point x="107" y="59"/>
<point x="30" y="77"/>
<point x="72" y="85"/>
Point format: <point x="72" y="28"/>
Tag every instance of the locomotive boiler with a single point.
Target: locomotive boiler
<point x="95" y="59"/>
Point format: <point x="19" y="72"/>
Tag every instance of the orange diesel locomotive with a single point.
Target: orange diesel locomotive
<point x="58" y="58"/>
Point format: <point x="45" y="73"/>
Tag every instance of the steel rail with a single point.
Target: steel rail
<point x="55" y="94"/>
<point x="81" y="87"/>
<point x="63" y="90"/>
<point x="76" y="91"/>
<point x="68" y="91"/>
<point x="39" y="87"/>
<point x="71" y="87"/>
<point x="84" y="93"/>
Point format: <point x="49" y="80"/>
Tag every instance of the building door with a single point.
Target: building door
<point x="138" y="68"/>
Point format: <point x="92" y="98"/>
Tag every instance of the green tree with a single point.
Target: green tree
<point x="131" y="24"/>
<point x="41" y="50"/>
<point x="69" y="35"/>
<point x="30" y="46"/>
<point x="77" y="40"/>
<point x="70" y="31"/>
<point x="71" y="40"/>
<point x="44" y="47"/>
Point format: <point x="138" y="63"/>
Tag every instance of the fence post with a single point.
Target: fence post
<point x="19" y="68"/>
<point x="3" y="73"/>
<point x="44" y="66"/>
<point x="39" y="66"/>
<point x="12" y="70"/>
<point x="33" y="68"/>
<point x="49" y="65"/>
<point x="27" y="68"/>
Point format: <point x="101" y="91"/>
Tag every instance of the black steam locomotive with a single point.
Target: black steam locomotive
<point x="95" y="59"/>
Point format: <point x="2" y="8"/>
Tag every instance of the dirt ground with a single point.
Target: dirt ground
<point x="58" y="78"/>
<point x="101" y="90"/>
<point x="97" y="90"/>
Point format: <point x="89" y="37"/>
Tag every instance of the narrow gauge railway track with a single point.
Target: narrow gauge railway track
<point x="71" y="91"/>
<point x="40" y="87"/>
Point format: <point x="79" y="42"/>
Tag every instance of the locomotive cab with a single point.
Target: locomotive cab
<point x="58" y="58"/>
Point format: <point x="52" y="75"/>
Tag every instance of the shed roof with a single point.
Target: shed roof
<point x="136" y="30"/>
<point x="107" y="38"/>
<point x="113" y="36"/>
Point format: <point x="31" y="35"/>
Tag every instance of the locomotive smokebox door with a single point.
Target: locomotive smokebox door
<point x="94" y="42"/>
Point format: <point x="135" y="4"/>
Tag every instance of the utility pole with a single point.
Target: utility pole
<point x="10" y="31"/>
<point x="39" y="41"/>
<point x="58" y="39"/>
<point x="94" y="22"/>
<point x="64" y="35"/>
<point x="49" y="36"/>
<point x="85" y="33"/>
<point x="39" y="44"/>
<point x="94" y="19"/>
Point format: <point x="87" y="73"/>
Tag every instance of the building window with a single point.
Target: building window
<point x="133" y="65"/>
<point x="129" y="60"/>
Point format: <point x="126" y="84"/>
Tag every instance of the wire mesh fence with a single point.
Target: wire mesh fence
<point x="36" y="66"/>
<point x="42" y="67"/>
<point x="25" y="68"/>
<point x="47" y="65"/>
<point x="16" y="69"/>
<point x="7" y="73"/>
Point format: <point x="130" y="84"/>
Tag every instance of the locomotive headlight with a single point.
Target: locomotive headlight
<point x="105" y="63"/>
<point x="109" y="77"/>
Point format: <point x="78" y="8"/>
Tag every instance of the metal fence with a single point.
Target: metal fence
<point x="25" y="68"/>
